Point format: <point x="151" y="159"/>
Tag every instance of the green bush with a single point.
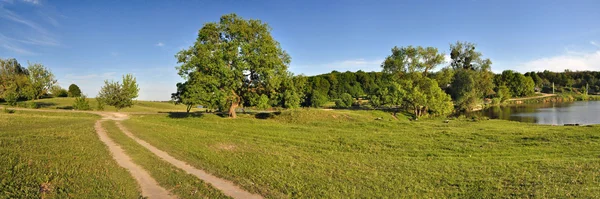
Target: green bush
<point x="100" y="104"/>
<point x="62" y="93"/>
<point x="33" y="105"/>
<point x="317" y="99"/>
<point x="11" y="97"/>
<point x="81" y="103"/>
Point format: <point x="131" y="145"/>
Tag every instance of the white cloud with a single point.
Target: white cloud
<point x="570" y="60"/>
<point x="160" y="44"/>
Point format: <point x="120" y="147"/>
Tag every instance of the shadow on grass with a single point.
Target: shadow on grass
<point x="197" y="114"/>
<point x="65" y="107"/>
<point x="265" y="115"/>
<point x="45" y="104"/>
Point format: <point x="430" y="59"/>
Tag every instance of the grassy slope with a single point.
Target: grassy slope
<point x="61" y="152"/>
<point x="139" y="106"/>
<point x="171" y="178"/>
<point x="349" y="154"/>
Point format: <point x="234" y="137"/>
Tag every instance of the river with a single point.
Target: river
<point x="580" y="112"/>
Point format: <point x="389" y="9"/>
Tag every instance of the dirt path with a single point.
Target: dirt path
<point x="227" y="187"/>
<point x="535" y="97"/>
<point x="149" y="186"/>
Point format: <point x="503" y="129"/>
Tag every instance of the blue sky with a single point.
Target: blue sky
<point x="86" y="42"/>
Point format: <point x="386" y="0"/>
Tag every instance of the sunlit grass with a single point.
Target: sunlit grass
<point x="168" y="176"/>
<point x="350" y="154"/>
<point x="58" y="155"/>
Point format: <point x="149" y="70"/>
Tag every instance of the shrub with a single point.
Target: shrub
<point x="317" y="99"/>
<point x="11" y="97"/>
<point x="100" y="104"/>
<point x="33" y="105"/>
<point x="81" y="103"/>
<point x="347" y="99"/>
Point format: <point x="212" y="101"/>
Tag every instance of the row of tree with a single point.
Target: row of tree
<point x="236" y="63"/>
<point x="31" y="83"/>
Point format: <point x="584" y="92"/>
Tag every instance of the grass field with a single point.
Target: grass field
<point x="340" y="154"/>
<point x="171" y="178"/>
<point x="58" y="155"/>
<point x="139" y="106"/>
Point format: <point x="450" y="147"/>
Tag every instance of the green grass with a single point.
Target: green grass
<point x="171" y="178"/>
<point x="349" y="154"/>
<point x="139" y="106"/>
<point x="58" y="155"/>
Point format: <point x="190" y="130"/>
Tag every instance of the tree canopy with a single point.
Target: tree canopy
<point x="235" y="59"/>
<point x="119" y="95"/>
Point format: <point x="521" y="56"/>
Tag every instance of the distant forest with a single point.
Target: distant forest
<point x="362" y="84"/>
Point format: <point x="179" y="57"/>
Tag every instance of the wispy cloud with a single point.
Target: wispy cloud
<point x="114" y="54"/>
<point x="7" y="14"/>
<point x="160" y="44"/>
<point x="17" y="49"/>
<point x="569" y="60"/>
<point x="27" y="33"/>
<point x="595" y="44"/>
<point x="35" y="2"/>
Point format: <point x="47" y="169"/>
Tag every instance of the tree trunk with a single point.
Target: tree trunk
<point x="232" y="108"/>
<point x="188" y="108"/>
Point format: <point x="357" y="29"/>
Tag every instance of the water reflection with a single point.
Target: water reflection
<point x="584" y="112"/>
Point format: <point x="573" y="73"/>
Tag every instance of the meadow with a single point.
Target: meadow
<point x="312" y="153"/>
<point x="58" y="155"/>
<point x="180" y="183"/>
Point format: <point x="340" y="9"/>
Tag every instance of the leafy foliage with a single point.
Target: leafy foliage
<point x="74" y="90"/>
<point x="41" y="80"/>
<point x="237" y="60"/>
<point x="81" y="103"/>
<point x="58" y="91"/>
<point x="345" y="101"/>
<point x="117" y="94"/>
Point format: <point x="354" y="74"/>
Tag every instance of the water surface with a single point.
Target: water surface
<point x="581" y="112"/>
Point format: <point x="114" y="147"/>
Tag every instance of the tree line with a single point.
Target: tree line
<point x="236" y="63"/>
<point x="18" y="83"/>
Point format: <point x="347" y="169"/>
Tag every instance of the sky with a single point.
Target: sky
<point x="86" y="42"/>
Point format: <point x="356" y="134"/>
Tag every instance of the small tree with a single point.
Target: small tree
<point x="74" y="91"/>
<point x="119" y="95"/>
<point x="40" y="79"/>
<point x="81" y="103"/>
<point x="58" y="91"/>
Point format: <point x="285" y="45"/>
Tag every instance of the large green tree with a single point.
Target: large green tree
<point x="407" y="69"/>
<point x="239" y="59"/>
<point x="473" y="79"/>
